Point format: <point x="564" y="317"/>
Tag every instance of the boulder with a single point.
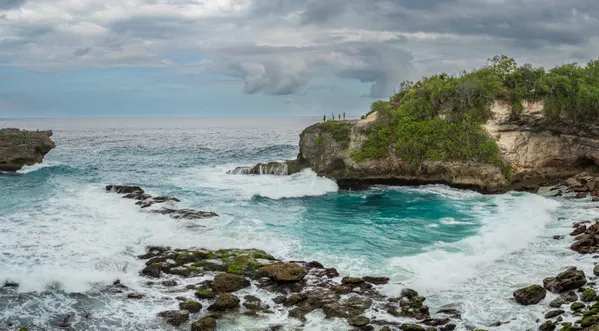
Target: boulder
<point x="376" y="280"/>
<point x="229" y="283"/>
<point x="252" y="303"/>
<point x="568" y="280"/>
<point x="191" y="306"/>
<point x="563" y="299"/>
<point x="359" y="321"/>
<point x="284" y="272"/>
<point x="596" y="270"/>
<point x="411" y="327"/>
<point x="225" y="302"/>
<point x="530" y="295"/>
<point x="187" y="214"/>
<point x="579" y="230"/>
<point x="588" y="295"/>
<point x="19" y="148"/>
<point x="125" y="189"/>
<point x="554" y="313"/>
<point x="205" y="324"/>
<point x="587" y="244"/>
<point x="175" y="317"/>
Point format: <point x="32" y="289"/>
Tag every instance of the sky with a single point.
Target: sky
<point x="225" y="58"/>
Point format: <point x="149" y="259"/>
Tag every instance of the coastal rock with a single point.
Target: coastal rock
<point x="564" y="298"/>
<point x="187" y="214"/>
<point x="530" y="295"/>
<point x="134" y="191"/>
<point x="205" y="324"/>
<point x="587" y="244"/>
<point x="554" y="313"/>
<point x="19" y="148"/>
<point x="229" y="283"/>
<point x="175" y="317"/>
<point x="271" y="168"/>
<point x="579" y="230"/>
<point x="568" y="280"/>
<point x="359" y="321"/>
<point x="191" y="306"/>
<point x="225" y="302"/>
<point x="284" y="272"/>
<point x="251" y="302"/>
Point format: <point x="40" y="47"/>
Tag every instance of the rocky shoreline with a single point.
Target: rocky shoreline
<point x="19" y="148"/>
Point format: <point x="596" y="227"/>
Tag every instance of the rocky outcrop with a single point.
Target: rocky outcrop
<point x="19" y="148"/>
<point x="530" y="295"/>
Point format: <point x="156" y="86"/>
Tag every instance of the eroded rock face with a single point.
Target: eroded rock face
<point x="570" y="279"/>
<point x="19" y="148"/>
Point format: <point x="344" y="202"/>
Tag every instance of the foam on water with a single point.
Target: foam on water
<point x="38" y="166"/>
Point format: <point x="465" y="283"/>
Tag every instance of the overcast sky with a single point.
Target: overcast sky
<point x="64" y="58"/>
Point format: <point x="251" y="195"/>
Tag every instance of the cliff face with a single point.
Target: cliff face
<point x="538" y="151"/>
<point x="19" y="148"/>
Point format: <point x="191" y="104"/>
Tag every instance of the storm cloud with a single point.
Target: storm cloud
<point x="279" y="47"/>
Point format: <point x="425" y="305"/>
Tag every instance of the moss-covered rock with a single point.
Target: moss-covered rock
<point x="588" y="295"/>
<point x="190" y="306"/>
<point x="244" y="264"/>
<point x="205" y="294"/>
<point x="252" y="303"/>
<point x="284" y="272"/>
<point x="547" y="326"/>
<point x="358" y="321"/>
<point x="589" y="321"/>
<point x="530" y="295"/>
<point x="411" y="327"/>
<point x="175" y="317"/>
<point x="205" y="324"/>
<point x="225" y="301"/>
<point x="229" y="283"/>
<point x="576" y="306"/>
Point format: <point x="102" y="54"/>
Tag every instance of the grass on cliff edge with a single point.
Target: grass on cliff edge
<point x="438" y="118"/>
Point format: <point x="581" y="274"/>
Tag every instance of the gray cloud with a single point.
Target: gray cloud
<point x="82" y="51"/>
<point x="279" y="47"/>
<point x="10" y="4"/>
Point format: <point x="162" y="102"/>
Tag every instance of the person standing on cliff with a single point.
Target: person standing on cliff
<point x="333" y="116"/>
<point x="324" y="118"/>
<point x="344" y="116"/>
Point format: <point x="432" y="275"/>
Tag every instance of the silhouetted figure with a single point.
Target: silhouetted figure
<point x="339" y="116"/>
<point x="344" y="116"/>
<point x="333" y="116"/>
<point x="324" y="118"/>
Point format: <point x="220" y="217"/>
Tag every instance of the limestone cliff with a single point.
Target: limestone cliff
<point x="537" y="149"/>
<point x="19" y="148"/>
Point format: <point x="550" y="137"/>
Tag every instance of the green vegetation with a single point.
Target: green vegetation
<point x="340" y="131"/>
<point x="439" y="118"/>
<point x="319" y="140"/>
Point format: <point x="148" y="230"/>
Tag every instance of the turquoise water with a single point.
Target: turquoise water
<point x="61" y="234"/>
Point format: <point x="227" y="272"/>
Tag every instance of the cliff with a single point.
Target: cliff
<point x="535" y="150"/>
<point x="19" y="148"/>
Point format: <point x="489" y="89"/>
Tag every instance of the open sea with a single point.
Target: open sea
<point x="63" y="238"/>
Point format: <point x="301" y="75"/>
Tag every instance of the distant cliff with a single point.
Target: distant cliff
<point x="19" y="148"/>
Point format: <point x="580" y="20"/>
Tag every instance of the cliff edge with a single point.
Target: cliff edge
<point x="19" y="148"/>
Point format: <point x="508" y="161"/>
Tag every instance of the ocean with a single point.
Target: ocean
<point x="63" y="238"/>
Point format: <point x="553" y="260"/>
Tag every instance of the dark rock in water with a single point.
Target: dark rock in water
<point x="435" y="321"/>
<point x="351" y="280"/>
<point x="530" y="295"/>
<point x="359" y="321"/>
<point x="169" y="283"/>
<point x="271" y="168"/>
<point x="547" y="326"/>
<point x="137" y="196"/>
<point x="588" y="244"/>
<point x="564" y="299"/>
<point x="411" y="327"/>
<point x="251" y="302"/>
<point x="9" y="283"/>
<point x="135" y="296"/>
<point x="346" y="308"/>
<point x="312" y="300"/>
<point x="579" y="230"/>
<point x="588" y="295"/>
<point x="581" y="195"/>
<point x="205" y="324"/>
<point x="162" y="199"/>
<point x="187" y="214"/>
<point x="153" y="270"/>
<point x="280" y="299"/>
<point x="19" y="148"/>
<point x="225" y="302"/>
<point x="205" y="294"/>
<point x="292" y="300"/>
<point x="331" y="272"/>
<point x="124" y="189"/>
<point x="589" y="321"/>
<point x="554" y="313"/>
<point x="596" y="270"/>
<point x="568" y="280"/>
<point x="376" y="280"/>
<point x="450" y="310"/>
<point x="191" y="306"/>
<point x="412" y="308"/>
<point x="559" y="237"/>
<point x="175" y="317"/>
<point x="408" y="293"/>
<point x="448" y="327"/>
<point x="284" y="272"/>
<point x="153" y="251"/>
<point x="576" y="306"/>
<point x="229" y="283"/>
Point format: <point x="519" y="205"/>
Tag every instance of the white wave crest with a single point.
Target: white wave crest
<point x="37" y="166"/>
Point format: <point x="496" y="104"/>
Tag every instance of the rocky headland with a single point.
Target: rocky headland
<point x="19" y="148"/>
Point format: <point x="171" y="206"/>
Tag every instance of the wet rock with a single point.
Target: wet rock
<point x="312" y="300"/>
<point x="205" y="324"/>
<point x="205" y="294"/>
<point x="352" y="280"/>
<point x="137" y="196"/>
<point x="579" y="230"/>
<point x="554" y="313"/>
<point x="187" y="214"/>
<point x="135" y="296"/>
<point x="191" y="306"/>
<point x="292" y="300"/>
<point x="229" y="283"/>
<point x="589" y="321"/>
<point x="412" y="308"/>
<point x="530" y="295"/>
<point x="547" y="326"/>
<point x="596" y="270"/>
<point x="568" y="280"/>
<point x="559" y="237"/>
<point x="376" y="280"/>
<point x="225" y="302"/>
<point x="577" y="306"/>
<point x="251" y="302"/>
<point x="280" y="299"/>
<point x="408" y="293"/>
<point x="169" y="283"/>
<point x="451" y="311"/>
<point x="359" y="321"/>
<point x="588" y="244"/>
<point x="448" y="327"/>
<point x="564" y="299"/>
<point x="153" y="270"/>
<point x="124" y="189"/>
<point x="588" y="295"/>
<point x="284" y="272"/>
<point x="347" y="308"/>
<point x="175" y="317"/>
<point x="435" y="321"/>
<point x="581" y="195"/>
<point x="331" y="272"/>
<point x="411" y="327"/>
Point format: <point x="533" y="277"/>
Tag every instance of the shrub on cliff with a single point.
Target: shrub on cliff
<point x="438" y="118"/>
